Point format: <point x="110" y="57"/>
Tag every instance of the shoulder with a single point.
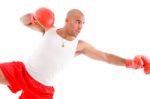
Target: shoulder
<point x="51" y="30"/>
<point x="82" y="45"/>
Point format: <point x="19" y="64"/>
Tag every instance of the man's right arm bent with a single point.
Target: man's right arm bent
<point x="27" y="21"/>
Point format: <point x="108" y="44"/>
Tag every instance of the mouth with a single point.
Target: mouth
<point x="75" y="34"/>
<point x="77" y="31"/>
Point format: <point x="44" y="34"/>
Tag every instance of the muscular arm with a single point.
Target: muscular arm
<point x="90" y="51"/>
<point x="26" y="20"/>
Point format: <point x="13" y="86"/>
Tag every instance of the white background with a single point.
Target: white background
<point x="119" y="27"/>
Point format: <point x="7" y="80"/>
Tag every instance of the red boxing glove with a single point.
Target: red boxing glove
<point x="146" y="65"/>
<point x="136" y="63"/>
<point x="44" y="17"/>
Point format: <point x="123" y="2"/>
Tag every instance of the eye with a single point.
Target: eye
<point x="78" y="21"/>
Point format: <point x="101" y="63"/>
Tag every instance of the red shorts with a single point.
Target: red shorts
<point x="19" y="79"/>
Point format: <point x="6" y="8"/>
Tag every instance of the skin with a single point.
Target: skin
<point x="73" y="25"/>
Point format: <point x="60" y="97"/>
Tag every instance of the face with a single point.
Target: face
<point x="74" y="24"/>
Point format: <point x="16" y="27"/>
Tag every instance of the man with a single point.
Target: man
<point x="57" y="47"/>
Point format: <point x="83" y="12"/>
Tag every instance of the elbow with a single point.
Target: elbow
<point x="23" y="22"/>
<point x="26" y="19"/>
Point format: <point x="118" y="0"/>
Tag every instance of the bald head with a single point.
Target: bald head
<point x="73" y="23"/>
<point x="73" y="12"/>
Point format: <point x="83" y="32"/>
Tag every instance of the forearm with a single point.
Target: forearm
<point x="116" y="60"/>
<point x="134" y="63"/>
<point x="106" y="57"/>
<point x="26" y="19"/>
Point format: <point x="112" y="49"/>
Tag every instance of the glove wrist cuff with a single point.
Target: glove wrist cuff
<point x="128" y="63"/>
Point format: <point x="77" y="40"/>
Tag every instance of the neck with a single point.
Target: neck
<point x="64" y="34"/>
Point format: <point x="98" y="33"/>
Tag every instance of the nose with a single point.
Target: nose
<point x="80" y="27"/>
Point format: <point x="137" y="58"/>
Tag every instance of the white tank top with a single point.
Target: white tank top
<point x="50" y="57"/>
